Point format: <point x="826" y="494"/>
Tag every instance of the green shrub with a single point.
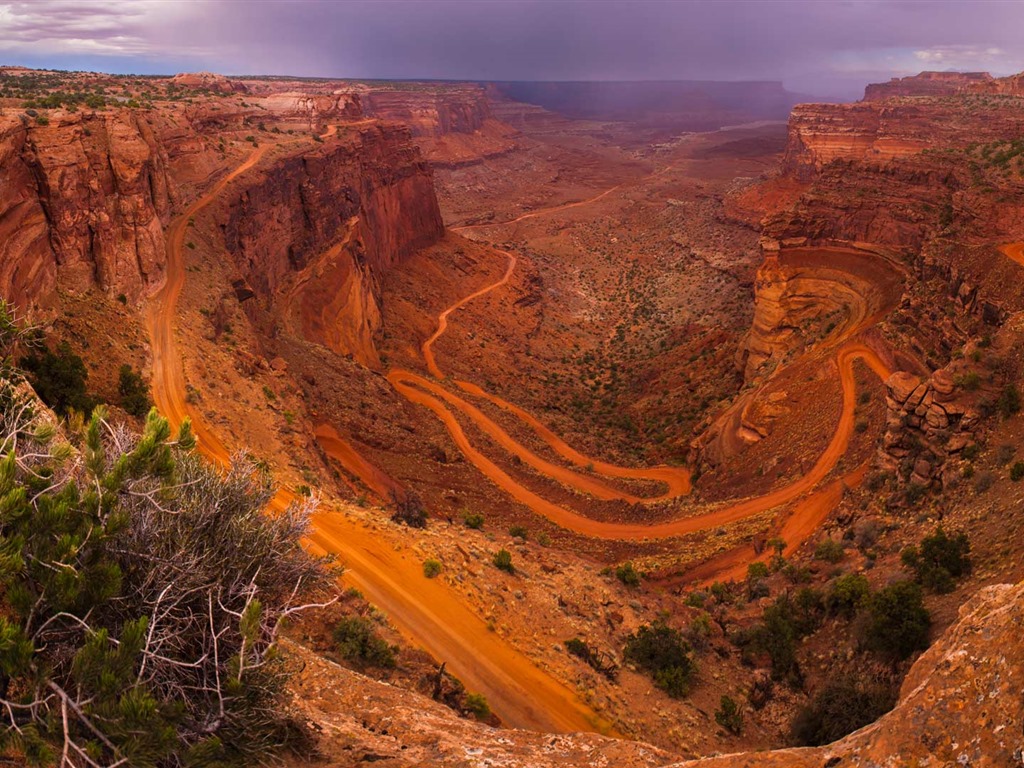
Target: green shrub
<point x="432" y="568"/>
<point x="473" y="520"/>
<point x="829" y="550"/>
<point x="729" y="715"/>
<point x="897" y="621"/>
<point x="476" y="704"/>
<point x="134" y="392"/>
<point x="940" y="561"/>
<point x="359" y="644"/>
<point x="518" y="532"/>
<point x="130" y="576"/>
<point x="1009" y="401"/>
<point x="661" y="651"/>
<point x="840" y="708"/>
<point x="785" y="622"/>
<point x="970" y="381"/>
<point x="59" y="379"/>
<point x="847" y="594"/>
<point x="503" y="561"/>
<point x="598" y="661"/>
<point x="1017" y="471"/>
<point x="628" y="575"/>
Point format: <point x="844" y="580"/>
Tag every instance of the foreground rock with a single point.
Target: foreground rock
<point x="961" y="704"/>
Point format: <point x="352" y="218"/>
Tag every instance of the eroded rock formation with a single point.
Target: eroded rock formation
<point x="83" y="200"/>
<point x="313" y="233"/>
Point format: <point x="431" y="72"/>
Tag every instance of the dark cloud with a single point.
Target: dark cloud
<point x="813" y="45"/>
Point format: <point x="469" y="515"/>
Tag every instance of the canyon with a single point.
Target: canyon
<point x="652" y="327"/>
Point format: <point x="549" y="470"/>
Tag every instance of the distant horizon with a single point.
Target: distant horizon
<point x="469" y="80"/>
<point x="825" y="49"/>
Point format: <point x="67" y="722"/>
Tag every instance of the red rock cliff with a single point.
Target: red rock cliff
<point x="315" y="231"/>
<point x="82" y="204"/>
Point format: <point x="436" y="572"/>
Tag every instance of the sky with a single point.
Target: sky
<point x="817" y="47"/>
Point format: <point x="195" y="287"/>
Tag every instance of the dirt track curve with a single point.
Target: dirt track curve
<point x="425" y="611"/>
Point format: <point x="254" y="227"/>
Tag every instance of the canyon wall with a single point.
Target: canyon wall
<point x="926" y="84"/>
<point x="313" y="232"/>
<point x="431" y="112"/>
<point x="83" y="201"/>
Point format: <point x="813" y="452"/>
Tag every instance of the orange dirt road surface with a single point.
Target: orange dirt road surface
<point x="425" y="611"/>
<point x="412" y="387"/>
<point x="1014" y="251"/>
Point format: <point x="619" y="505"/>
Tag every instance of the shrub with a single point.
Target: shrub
<point x="785" y="622"/>
<point x="432" y="568"/>
<point x="134" y="392"/>
<point x="729" y="716"/>
<point x="840" y="708"/>
<point x="359" y="644"/>
<point x="598" y="661"/>
<point x="1017" y="471"/>
<point x="661" y="651"/>
<point x="983" y="481"/>
<point x="503" y="561"/>
<point x="846" y="594"/>
<point x="476" y="704"/>
<point x="518" y="532"/>
<point x="897" y="621"/>
<point x="59" y="379"/>
<point x="829" y="550"/>
<point x="628" y="575"/>
<point x="473" y="520"/>
<point x="142" y="594"/>
<point x="970" y="381"/>
<point x="940" y="561"/>
<point x="409" y="510"/>
<point x="1009" y="401"/>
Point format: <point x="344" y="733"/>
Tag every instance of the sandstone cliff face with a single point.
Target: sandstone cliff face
<point x="960" y="704"/>
<point x="434" y="112"/>
<point x="313" y="233"/>
<point x="82" y="204"/>
<point x="926" y="84"/>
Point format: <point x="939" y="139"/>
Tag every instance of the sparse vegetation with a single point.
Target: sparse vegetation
<point x="134" y="392"/>
<point x="628" y="574"/>
<point x="940" y="560"/>
<point x="360" y="645"/>
<point x="729" y="715"/>
<point x="841" y="707"/>
<point x="661" y="651"/>
<point x="473" y="520"/>
<point x="59" y="377"/>
<point x="432" y="568"/>
<point x="476" y="704"/>
<point x="503" y="561"/>
<point x="897" y="621"/>
<point x="829" y="550"/>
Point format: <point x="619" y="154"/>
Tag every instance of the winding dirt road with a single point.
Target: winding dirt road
<point x="426" y="611"/>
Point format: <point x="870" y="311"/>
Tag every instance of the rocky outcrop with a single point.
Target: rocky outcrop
<point x="83" y="200"/>
<point x="314" y="232"/>
<point x="208" y="81"/>
<point x="926" y="84"/>
<point x="960" y="704"/>
<point x="928" y="422"/>
<point x="431" y="111"/>
<point x="806" y="294"/>
<point x="452" y="124"/>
